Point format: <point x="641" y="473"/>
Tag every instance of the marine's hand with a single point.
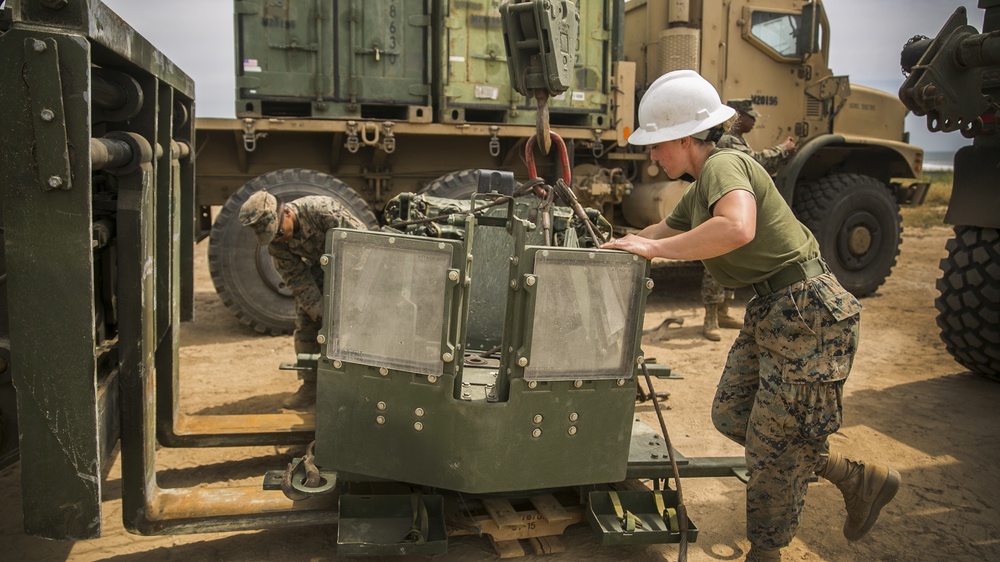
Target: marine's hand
<point x="789" y="145"/>
<point x="631" y="243"/>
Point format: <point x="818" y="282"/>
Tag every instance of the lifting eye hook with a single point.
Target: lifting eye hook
<point x="529" y="158"/>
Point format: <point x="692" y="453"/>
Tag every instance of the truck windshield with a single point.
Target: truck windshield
<point x="779" y="31"/>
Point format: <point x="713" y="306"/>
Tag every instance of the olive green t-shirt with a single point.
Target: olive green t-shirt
<point x="780" y="238"/>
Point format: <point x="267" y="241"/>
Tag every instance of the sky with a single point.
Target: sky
<point x="866" y="37"/>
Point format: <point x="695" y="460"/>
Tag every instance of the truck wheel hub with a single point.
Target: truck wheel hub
<point x="858" y="241"/>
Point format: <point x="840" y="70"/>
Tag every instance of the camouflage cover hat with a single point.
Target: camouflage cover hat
<point x="744" y="106"/>
<point x="260" y="213"/>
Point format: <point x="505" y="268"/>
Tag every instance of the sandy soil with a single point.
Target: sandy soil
<point x="908" y="404"/>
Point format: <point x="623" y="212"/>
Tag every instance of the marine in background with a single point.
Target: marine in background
<point x="714" y="296"/>
<point x="295" y="236"/>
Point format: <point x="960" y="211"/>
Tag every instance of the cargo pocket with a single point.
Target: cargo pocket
<point x="839" y="333"/>
<point x="817" y="408"/>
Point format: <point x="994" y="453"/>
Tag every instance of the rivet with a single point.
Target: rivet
<point x="392" y="240"/>
<point x="536" y="432"/>
<point x="514" y="260"/>
<point x="380" y="420"/>
<point x="537" y="418"/>
<point x="343" y="235"/>
<point x="447" y="357"/>
<point x="620" y="382"/>
<point x="383" y="371"/>
<point x="39" y="46"/>
<point x="440" y="245"/>
<point x="321" y="339"/>
<point x="324" y="260"/>
<point x="545" y="253"/>
<point x="532" y="384"/>
<point x="578" y="383"/>
<point x="649" y="284"/>
<point x="530" y="281"/>
<point x="380" y="406"/>
<point x="338" y="364"/>
<point x="591" y="255"/>
<point x="574" y="416"/>
<point x="47" y="115"/>
<point x="453" y="275"/>
<point x="432" y="379"/>
<point x="655" y="455"/>
<point x="522" y="362"/>
<point x="640" y="360"/>
<point x="513" y="284"/>
<point x="55" y="181"/>
<point x="418" y="426"/>
<point x="571" y="430"/>
<point x="419" y="412"/>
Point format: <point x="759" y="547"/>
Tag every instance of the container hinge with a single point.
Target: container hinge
<point x="250" y="135"/>
<point x="494" y="141"/>
<point x="47" y="112"/>
<point x="353" y="143"/>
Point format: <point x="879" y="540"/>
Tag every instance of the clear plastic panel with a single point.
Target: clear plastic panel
<point x="388" y="305"/>
<point x="583" y="326"/>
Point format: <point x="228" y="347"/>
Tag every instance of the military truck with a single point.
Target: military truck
<point x="435" y="367"/>
<point x="953" y="82"/>
<point x="363" y="101"/>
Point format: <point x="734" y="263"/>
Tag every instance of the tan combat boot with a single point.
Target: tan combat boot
<point x="758" y="554"/>
<point x="866" y="489"/>
<point x="304" y="397"/>
<point x="727" y="321"/>
<point x="711" y="329"/>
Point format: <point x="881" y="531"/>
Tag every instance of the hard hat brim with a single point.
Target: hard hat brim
<point x="644" y="137"/>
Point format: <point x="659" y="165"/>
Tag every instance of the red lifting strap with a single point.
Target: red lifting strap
<point x="529" y="157"/>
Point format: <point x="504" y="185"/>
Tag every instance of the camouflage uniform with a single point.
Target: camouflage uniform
<point x="780" y="392"/>
<point x="297" y="260"/>
<point x="770" y="158"/>
<point x="780" y="396"/>
<point x="712" y="292"/>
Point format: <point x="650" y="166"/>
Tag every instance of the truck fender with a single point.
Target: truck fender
<point x="788" y="176"/>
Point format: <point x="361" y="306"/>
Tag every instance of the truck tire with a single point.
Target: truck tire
<point x="455" y="185"/>
<point x="969" y="301"/>
<point x="241" y="269"/>
<point x="856" y="221"/>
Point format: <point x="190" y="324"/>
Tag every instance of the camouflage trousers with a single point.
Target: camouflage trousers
<point x="780" y="396"/>
<point x="304" y="336"/>
<point x="712" y="292"/>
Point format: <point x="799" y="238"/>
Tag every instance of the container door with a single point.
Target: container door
<point x="383" y="52"/>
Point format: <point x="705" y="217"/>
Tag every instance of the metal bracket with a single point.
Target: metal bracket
<point x="353" y="143"/>
<point x="494" y="141"/>
<point x="389" y="140"/>
<point x="48" y="116"/>
<point x="250" y="135"/>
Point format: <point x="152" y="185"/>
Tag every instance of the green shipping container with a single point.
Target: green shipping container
<point x="345" y="58"/>
<point x="475" y="86"/>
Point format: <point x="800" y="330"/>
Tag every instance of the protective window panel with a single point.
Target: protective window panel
<point x="778" y="31"/>
<point x="583" y="325"/>
<point x="388" y="305"/>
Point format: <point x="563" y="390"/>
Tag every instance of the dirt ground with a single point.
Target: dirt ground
<point x="907" y="404"/>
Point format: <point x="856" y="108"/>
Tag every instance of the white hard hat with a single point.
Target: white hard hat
<point x="679" y="104"/>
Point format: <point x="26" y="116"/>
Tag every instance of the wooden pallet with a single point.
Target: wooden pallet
<point x="540" y="522"/>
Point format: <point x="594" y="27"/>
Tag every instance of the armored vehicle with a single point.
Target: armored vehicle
<point x="953" y="81"/>
<point x="366" y="100"/>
